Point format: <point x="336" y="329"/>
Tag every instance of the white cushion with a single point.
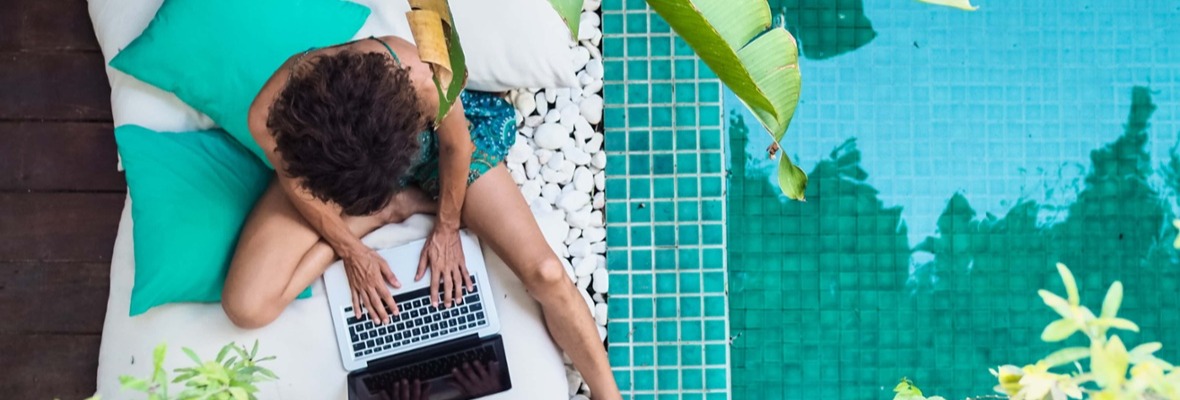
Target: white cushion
<point x="308" y="363"/>
<point x="508" y="43"/>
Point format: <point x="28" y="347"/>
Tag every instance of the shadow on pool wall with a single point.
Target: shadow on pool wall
<point x="824" y="303"/>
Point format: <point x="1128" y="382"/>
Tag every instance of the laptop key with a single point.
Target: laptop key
<point x="380" y="341"/>
<point x="359" y="346"/>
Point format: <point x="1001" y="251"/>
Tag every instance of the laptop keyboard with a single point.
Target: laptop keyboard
<point x="417" y="322"/>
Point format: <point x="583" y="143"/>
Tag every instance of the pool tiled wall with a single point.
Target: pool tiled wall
<point x="665" y="211"/>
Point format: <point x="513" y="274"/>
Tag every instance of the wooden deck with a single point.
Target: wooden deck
<point x="60" y="199"/>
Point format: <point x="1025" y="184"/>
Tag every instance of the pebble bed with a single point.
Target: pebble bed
<point x="559" y="163"/>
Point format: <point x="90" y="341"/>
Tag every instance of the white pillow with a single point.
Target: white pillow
<point x="116" y="24"/>
<point x="509" y="44"/>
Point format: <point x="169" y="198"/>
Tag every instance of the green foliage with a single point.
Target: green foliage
<point x="571" y="12"/>
<point x="232" y="375"/>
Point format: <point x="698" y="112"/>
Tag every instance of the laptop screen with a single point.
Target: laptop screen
<point x="467" y="372"/>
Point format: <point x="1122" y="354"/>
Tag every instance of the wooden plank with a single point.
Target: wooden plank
<point x="54" y="156"/>
<point x="54" y="86"/>
<point x="48" y="366"/>
<point x="46" y="25"/>
<point x="59" y="226"/>
<point x="44" y="297"/>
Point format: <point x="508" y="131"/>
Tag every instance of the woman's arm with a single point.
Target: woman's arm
<point x="367" y="271"/>
<point x="443" y="252"/>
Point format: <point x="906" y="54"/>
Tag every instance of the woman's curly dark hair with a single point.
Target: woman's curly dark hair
<point x="347" y="125"/>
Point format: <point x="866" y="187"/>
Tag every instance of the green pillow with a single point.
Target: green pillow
<point x="217" y="54"/>
<point x="190" y="194"/>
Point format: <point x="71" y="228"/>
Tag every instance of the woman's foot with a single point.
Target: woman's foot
<point x="407" y="202"/>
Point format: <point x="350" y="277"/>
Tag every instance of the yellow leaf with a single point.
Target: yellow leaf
<point x="1071" y="285"/>
<point x="960" y="4"/>
<point x="427" y="28"/>
<point x="1059" y="330"/>
<point x="1114" y="299"/>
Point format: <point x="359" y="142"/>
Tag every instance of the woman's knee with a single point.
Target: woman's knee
<point x="547" y="280"/>
<point x="249" y="310"/>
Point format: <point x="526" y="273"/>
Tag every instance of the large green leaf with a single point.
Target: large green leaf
<point x="757" y="62"/>
<point x="571" y="12"/>
<point x="734" y="38"/>
<point x="459" y="67"/>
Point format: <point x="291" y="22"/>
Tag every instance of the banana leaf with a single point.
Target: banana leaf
<point x="571" y="12"/>
<point x="757" y="62"/>
<point x="439" y="46"/>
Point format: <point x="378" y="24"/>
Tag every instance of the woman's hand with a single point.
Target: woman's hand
<point x="443" y="254"/>
<point x="367" y="275"/>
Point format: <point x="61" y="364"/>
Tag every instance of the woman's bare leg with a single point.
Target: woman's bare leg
<point x="279" y="254"/>
<point x="495" y="210"/>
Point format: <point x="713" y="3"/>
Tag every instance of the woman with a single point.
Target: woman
<point x="348" y="130"/>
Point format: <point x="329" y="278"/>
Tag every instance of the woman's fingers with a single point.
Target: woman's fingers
<point x="466" y="277"/>
<point x="480" y="371"/>
<point x="423" y="261"/>
<point x="448" y="283"/>
<point x="434" y="278"/>
<point x="387" y="273"/>
<point x="405" y="389"/>
<point x="356" y="305"/>
<point x="457" y="277"/>
<point x="375" y="302"/>
<point x="388" y="299"/>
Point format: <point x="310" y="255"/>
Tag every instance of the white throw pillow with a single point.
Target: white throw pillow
<point x="509" y="44"/>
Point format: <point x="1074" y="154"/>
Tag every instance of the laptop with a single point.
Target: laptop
<point x="423" y="343"/>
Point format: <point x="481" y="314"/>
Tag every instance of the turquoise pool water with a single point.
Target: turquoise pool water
<point x="954" y="158"/>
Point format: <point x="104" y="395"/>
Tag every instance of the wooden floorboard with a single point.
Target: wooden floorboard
<point x="59" y="227"/>
<point x="46" y="366"/>
<point x="38" y="297"/>
<point x="59" y="86"/>
<point x="60" y="199"/>
<point x="46" y="25"/>
<point x="54" y="157"/>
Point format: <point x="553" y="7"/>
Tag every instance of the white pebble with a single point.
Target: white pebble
<point x="583" y="179"/>
<point x="542" y="103"/>
<point x="550" y="192"/>
<point x="526" y="130"/>
<point x="519" y="153"/>
<point x="565" y="174"/>
<point x="600" y="181"/>
<point x="576" y="92"/>
<point x="552" y="116"/>
<point x="584" y="79"/>
<point x="555" y="160"/>
<point x="580" y="248"/>
<point x="582" y="129"/>
<point x="596" y="218"/>
<point x="594" y="145"/>
<point x="594" y="234"/>
<point x="550" y="95"/>
<point x="592" y="46"/>
<point x="579" y="397"/>
<point x="592" y="109"/>
<point x="599" y="201"/>
<point x="561" y="93"/>
<point x="574" y="379"/>
<point x="585" y="266"/>
<point x="531" y="190"/>
<point x="581" y="219"/>
<point x="585" y="30"/>
<point x="598" y="247"/>
<point x="552" y="227"/>
<point x="551" y="136"/>
<point x="601" y="281"/>
<point x="600" y="314"/>
<point x="576" y="155"/>
<point x="598" y="298"/>
<point x="592" y="87"/>
<point x="550" y="175"/>
<point x="526" y="103"/>
<point x="591" y="5"/>
<point x="579" y="58"/>
<point x="572" y="235"/>
<point x="533" y="121"/>
<point x="598" y="160"/>
<point x="592" y="17"/>
<point x="602" y="337"/>
<point x="518" y="176"/>
<point x="570" y="114"/>
<point x="589" y="302"/>
<point x="583" y="283"/>
<point x="543" y="155"/>
<point x="569" y="269"/>
<point x="532" y="169"/>
<point x="594" y="69"/>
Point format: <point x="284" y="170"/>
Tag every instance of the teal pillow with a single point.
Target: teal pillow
<point x="217" y="54"/>
<point x="190" y="194"/>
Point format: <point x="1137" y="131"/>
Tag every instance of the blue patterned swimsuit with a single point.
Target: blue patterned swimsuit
<point x="492" y="122"/>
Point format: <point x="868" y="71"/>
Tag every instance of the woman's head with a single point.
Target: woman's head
<point x="347" y="126"/>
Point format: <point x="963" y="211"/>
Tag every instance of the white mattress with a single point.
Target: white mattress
<point x="308" y="363"/>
